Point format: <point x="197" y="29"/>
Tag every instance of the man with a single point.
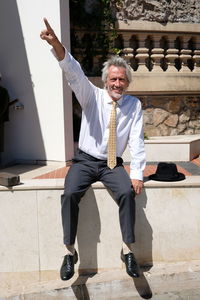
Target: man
<point x="94" y="160"/>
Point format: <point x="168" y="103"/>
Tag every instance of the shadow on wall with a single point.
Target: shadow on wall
<point x="88" y="237"/>
<point x="88" y="234"/>
<point x="143" y="232"/>
<point x="143" y="246"/>
<point x="23" y="137"/>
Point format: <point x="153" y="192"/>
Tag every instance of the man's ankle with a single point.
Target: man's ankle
<point x="70" y="250"/>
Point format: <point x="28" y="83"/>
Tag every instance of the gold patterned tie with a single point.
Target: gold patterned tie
<point x="112" y="138"/>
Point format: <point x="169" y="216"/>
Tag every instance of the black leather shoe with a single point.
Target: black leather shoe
<point x="67" y="268"/>
<point x="132" y="267"/>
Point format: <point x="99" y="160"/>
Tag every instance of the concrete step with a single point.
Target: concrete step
<point x="169" y="148"/>
<point x="162" y="282"/>
<point x="173" y="148"/>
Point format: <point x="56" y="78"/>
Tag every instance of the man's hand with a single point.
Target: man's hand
<point x="137" y="185"/>
<point x="49" y="36"/>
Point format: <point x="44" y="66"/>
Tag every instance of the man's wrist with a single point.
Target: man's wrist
<point x="59" y="50"/>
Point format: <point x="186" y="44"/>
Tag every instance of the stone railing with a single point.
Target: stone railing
<point x="159" y="52"/>
<point x="164" y="58"/>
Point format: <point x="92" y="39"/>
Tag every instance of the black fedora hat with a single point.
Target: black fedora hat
<point x="167" y="172"/>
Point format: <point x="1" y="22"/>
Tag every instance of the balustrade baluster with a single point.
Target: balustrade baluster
<point x="172" y="54"/>
<point x="196" y="56"/>
<point x="142" y="53"/>
<point x="185" y="54"/>
<point x="157" y="54"/>
<point x="127" y="50"/>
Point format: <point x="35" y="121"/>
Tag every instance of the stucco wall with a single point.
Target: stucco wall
<point x="43" y="130"/>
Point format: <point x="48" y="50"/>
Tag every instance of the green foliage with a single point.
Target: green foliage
<point x="93" y="31"/>
<point x="146" y="136"/>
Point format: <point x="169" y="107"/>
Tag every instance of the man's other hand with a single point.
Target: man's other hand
<point x="137" y="185"/>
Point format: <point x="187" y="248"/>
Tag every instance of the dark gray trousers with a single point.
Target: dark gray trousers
<point x="86" y="170"/>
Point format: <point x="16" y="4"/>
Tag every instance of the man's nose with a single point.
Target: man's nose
<point x="117" y="82"/>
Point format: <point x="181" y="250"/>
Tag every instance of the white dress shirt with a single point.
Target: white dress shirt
<point x="96" y="107"/>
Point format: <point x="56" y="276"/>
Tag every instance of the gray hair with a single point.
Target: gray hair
<point x="116" y="61"/>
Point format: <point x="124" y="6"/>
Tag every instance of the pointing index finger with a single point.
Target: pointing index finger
<point x="47" y="24"/>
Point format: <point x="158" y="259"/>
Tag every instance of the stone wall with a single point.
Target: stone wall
<point x="161" y="11"/>
<point x="171" y="115"/>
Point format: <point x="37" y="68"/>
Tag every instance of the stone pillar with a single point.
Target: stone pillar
<point x="43" y="130"/>
<point x="67" y="94"/>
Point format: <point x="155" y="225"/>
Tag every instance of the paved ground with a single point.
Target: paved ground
<point x="190" y="168"/>
<point x="169" y="281"/>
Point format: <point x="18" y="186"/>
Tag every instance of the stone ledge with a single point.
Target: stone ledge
<point x="58" y="184"/>
<point x="178" y="139"/>
<point x="145" y="26"/>
<point x="169" y="83"/>
<point x="164" y="82"/>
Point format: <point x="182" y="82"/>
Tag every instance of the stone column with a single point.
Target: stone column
<point x="42" y="132"/>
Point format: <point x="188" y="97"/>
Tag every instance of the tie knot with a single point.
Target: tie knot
<point x="114" y="104"/>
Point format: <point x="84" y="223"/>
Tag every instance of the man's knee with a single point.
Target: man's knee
<point x="126" y="194"/>
<point x="70" y="196"/>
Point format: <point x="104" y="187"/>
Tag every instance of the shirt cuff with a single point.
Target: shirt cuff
<point x="136" y="174"/>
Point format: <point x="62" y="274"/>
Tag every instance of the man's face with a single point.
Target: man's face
<point x="117" y="82"/>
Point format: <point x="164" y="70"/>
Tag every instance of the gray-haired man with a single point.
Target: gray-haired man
<point x="90" y="163"/>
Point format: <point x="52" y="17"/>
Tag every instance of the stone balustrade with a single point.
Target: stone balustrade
<point x="164" y="58"/>
<point x="161" y="52"/>
<point x="168" y="49"/>
<point x="149" y="46"/>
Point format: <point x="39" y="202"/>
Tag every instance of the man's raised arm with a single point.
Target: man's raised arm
<point x="49" y="36"/>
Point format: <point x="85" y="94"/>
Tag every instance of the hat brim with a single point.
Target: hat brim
<point x="178" y="177"/>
